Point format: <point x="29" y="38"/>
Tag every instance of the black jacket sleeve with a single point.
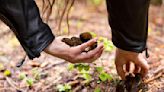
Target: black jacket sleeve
<point x="129" y="23"/>
<point x="23" y="17"/>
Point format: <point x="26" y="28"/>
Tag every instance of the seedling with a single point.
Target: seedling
<point x="71" y="67"/>
<point x="99" y="69"/>
<point x="108" y="45"/>
<point x="104" y="77"/>
<point x="36" y="74"/>
<point x="87" y="77"/>
<point x="81" y="67"/>
<point x="64" y="88"/>
<point x="22" y="76"/>
<point x="30" y="82"/>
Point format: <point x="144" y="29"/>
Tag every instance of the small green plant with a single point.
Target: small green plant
<point x="102" y="75"/>
<point x="22" y="76"/>
<point x="87" y="77"/>
<point x="81" y="67"/>
<point x="99" y="69"/>
<point x="36" y="74"/>
<point x="83" y="70"/>
<point x="105" y="76"/>
<point x="7" y="73"/>
<point x="30" y="82"/>
<point x="71" y="67"/>
<point x="93" y="34"/>
<point x="108" y="45"/>
<point x="64" y="88"/>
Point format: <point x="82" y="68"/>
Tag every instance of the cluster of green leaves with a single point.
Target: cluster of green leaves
<point x="108" y="45"/>
<point x="30" y="80"/>
<point x="103" y="76"/>
<point x="83" y="70"/>
<point x="64" y="88"/>
<point x="36" y="74"/>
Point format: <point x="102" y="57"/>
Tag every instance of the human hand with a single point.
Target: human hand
<point x="125" y="58"/>
<point x="74" y="54"/>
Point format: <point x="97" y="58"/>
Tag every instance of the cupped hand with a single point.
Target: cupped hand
<point x="125" y="58"/>
<point x="74" y="54"/>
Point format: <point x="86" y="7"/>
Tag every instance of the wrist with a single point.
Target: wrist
<point x="56" y="50"/>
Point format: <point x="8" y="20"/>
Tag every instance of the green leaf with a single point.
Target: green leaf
<point x="86" y="67"/>
<point x="99" y="69"/>
<point x="60" y="88"/>
<point x="98" y="81"/>
<point x="70" y="67"/>
<point x="97" y="90"/>
<point x="81" y="67"/>
<point x="67" y="87"/>
<point x="64" y="88"/>
<point x="7" y="73"/>
<point x="22" y="76"/>
<point x="110" y="77"/>
<point x="104" y="77"/>
<point x="30" y="82"/>
<point x="36" y="73"/>
<point x="87" y="77"/>
<point x="108" y="45"/>
<point x="93" y="34"/>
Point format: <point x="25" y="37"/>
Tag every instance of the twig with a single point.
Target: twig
<point x="154" y="78"/>
<point x="160" y="69"/>
<point x="12" y="83"/>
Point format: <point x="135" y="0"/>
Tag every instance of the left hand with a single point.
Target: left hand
<point x="74" y="54"/>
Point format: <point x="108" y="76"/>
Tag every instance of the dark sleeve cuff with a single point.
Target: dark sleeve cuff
<point x="23" y="17"/>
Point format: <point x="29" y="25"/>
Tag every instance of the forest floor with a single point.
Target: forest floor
<point x="45" y="73"/>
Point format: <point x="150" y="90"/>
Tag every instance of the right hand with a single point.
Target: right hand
<point x="74" y="54"/>
<point x="126" y="58"/>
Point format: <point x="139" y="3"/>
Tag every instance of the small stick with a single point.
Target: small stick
<point x="12" y="84"/>
<point x="154" y="78"/>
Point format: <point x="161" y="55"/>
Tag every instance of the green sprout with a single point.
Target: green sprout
<point x="22" y="76"/>
<point x="30" y="82"/>
<point x="64" y="88"/>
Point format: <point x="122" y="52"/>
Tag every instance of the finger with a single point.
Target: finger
<point x="143" y="64"/>
<point x="128" y="67"/>
<point x="137" y="69"/>
<point x="90" y="54"/>
<point x="95" y="57"/>
<point x="87" y="44"/>
<point x="120" y="71"/>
